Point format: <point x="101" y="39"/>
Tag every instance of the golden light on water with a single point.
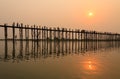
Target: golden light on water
<point x="91" y="66"/>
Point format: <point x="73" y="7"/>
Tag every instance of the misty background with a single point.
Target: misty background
<point x="63" y="13"/>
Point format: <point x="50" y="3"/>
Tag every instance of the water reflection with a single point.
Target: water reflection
<point x="27" y="50"/>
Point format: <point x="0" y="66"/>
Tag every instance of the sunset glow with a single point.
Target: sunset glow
<point x="90" y="14"/>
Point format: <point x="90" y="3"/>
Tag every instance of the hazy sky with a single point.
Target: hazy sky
<point x="63" y="13"/>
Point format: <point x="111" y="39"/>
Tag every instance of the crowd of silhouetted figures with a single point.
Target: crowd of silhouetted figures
<point x="32" y="50"/>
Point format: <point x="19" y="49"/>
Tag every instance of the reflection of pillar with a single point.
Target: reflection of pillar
<point x="32" y="48"/>
<point x="21" y="50"/>
<point x="72" y="46"/>
<point x="81" y="45"/>
<point x="69" y="46"/>
<point x="27" y="50"/>
<point x="58" y="52"/>
<point x="13" y="54"/>
<point x="76" y="45"/>
<point x="62" y="47"/>
<point x="50" y="47"/>
<point x="54" y="46"/>
<point x="6" y="49"/>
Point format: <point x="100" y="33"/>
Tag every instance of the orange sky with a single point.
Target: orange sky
<point x="63" y="13"/>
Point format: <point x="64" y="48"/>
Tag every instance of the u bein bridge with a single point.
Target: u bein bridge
<point x="36" y="33"/>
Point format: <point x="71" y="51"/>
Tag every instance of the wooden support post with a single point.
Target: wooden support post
<point x="37" y="34"/>
<point x="50" y="36"/>
<point x="81" y="35"/>
<point x="54" y="34"/>
<point x="6" y="46"/>
<point x="13" y="54"/>
<point x="62" y="33"/>
<point x="13" y="31"/>
<point x="34" y="33"/>
<point x="40" y="34"/>
<point x="75" y="35"/>
<point x="58" y="33"/>
<point x="72" y="35"/>
<point x="66" y="35"/>
<point x="5" y="31"/>
<point x="26" y="33"/>
<point x="21" y="32"/>
<point x="78" y="35"/>
<point x="84" y="35"/>
<point x="69" y="34"/>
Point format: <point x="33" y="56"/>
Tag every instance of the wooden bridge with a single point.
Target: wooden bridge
<point x="37" y="33"/>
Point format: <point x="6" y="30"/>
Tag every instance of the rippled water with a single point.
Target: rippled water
<point x="59" y="60"/>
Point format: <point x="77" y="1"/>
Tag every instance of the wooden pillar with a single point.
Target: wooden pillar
<point x="21" y="32"/>
<point x="34" y="33"/>
<point x="13" y="54"/>
<point x="78" y="35"/>
<point x="72" y="35"/>
<point x="31" y="33"/>
<point x="58" y="36"/>
<point x="37" y="34"/>
<point x="75" y="35"/>
<point x="6" y="45"/>
<point x="84" y="35"/>
<point x="26" y="33"/>
<point x="5" y="31"/>
<point x="69" y="34"/>
<point x="47" y="34"/>
<point x="66" y="35"/>
<point x="13" y="26"/>
<point x="50" y="33"/>
<point x="81" y="35"/>
<point x="54" y="34"/>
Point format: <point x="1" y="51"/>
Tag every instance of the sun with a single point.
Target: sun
<point x="90" y="14"/>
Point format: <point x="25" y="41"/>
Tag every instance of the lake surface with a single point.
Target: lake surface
<point x="59" y="60"/>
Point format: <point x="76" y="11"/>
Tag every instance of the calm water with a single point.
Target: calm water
<point x="59" y="60"/>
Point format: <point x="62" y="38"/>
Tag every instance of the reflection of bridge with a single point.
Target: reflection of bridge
<point x="45" y="33"/>
<point x="25" y="50"/>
